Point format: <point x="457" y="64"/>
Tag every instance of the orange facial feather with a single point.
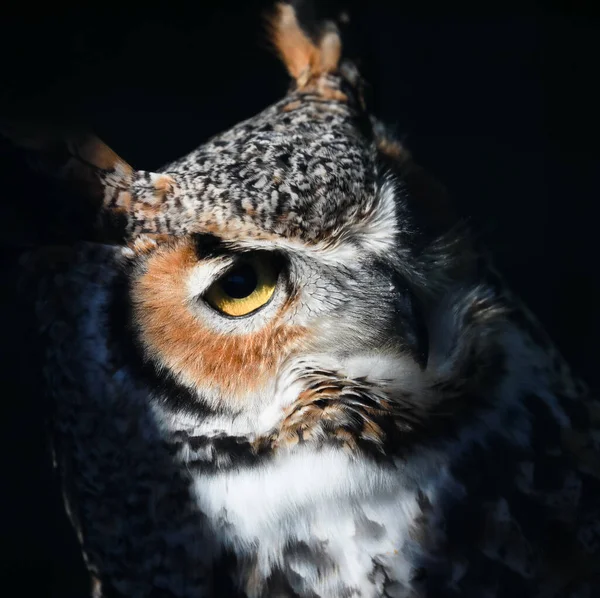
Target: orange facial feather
<point x="233" y="365"/>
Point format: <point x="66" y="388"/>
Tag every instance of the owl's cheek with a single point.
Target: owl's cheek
<point x="231" y="372"/>
<point x="227" y="369"/>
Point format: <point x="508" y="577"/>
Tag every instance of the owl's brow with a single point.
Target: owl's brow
<point x="209" y="245"/>
<point x="333" y="254"/>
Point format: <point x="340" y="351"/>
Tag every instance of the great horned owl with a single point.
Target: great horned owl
<point x="281" y="370"/>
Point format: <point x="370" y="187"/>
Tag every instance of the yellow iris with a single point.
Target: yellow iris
<point x="244" y="288"/>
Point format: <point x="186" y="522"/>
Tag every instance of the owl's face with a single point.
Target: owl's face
<point x="238" y="320"/>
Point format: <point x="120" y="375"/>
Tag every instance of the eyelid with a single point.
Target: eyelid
<point x="204" y="275"/>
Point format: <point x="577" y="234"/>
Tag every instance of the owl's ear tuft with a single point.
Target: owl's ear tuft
<point x="121" y="202"/>
<point x="306" y="60"/>
<point x="69" y="154"/>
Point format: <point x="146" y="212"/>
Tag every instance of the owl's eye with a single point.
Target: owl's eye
<point x="244" y="288"/>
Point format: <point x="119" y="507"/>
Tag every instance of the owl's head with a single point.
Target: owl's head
<point x="290" y="273"/>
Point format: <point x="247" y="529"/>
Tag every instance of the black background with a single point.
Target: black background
<point x="497" y="101"/>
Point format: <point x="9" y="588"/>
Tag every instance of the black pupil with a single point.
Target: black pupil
<point x="240" y="282"/>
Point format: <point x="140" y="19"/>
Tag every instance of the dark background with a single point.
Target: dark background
<point x="498" y="101"/>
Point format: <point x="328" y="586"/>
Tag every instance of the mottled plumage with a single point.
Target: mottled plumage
<point x="390" y="422"/>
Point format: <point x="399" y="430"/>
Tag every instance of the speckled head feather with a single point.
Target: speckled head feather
<point x="310" y="154"/>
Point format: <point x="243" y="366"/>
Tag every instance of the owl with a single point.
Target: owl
<point x="282" y="368"/>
